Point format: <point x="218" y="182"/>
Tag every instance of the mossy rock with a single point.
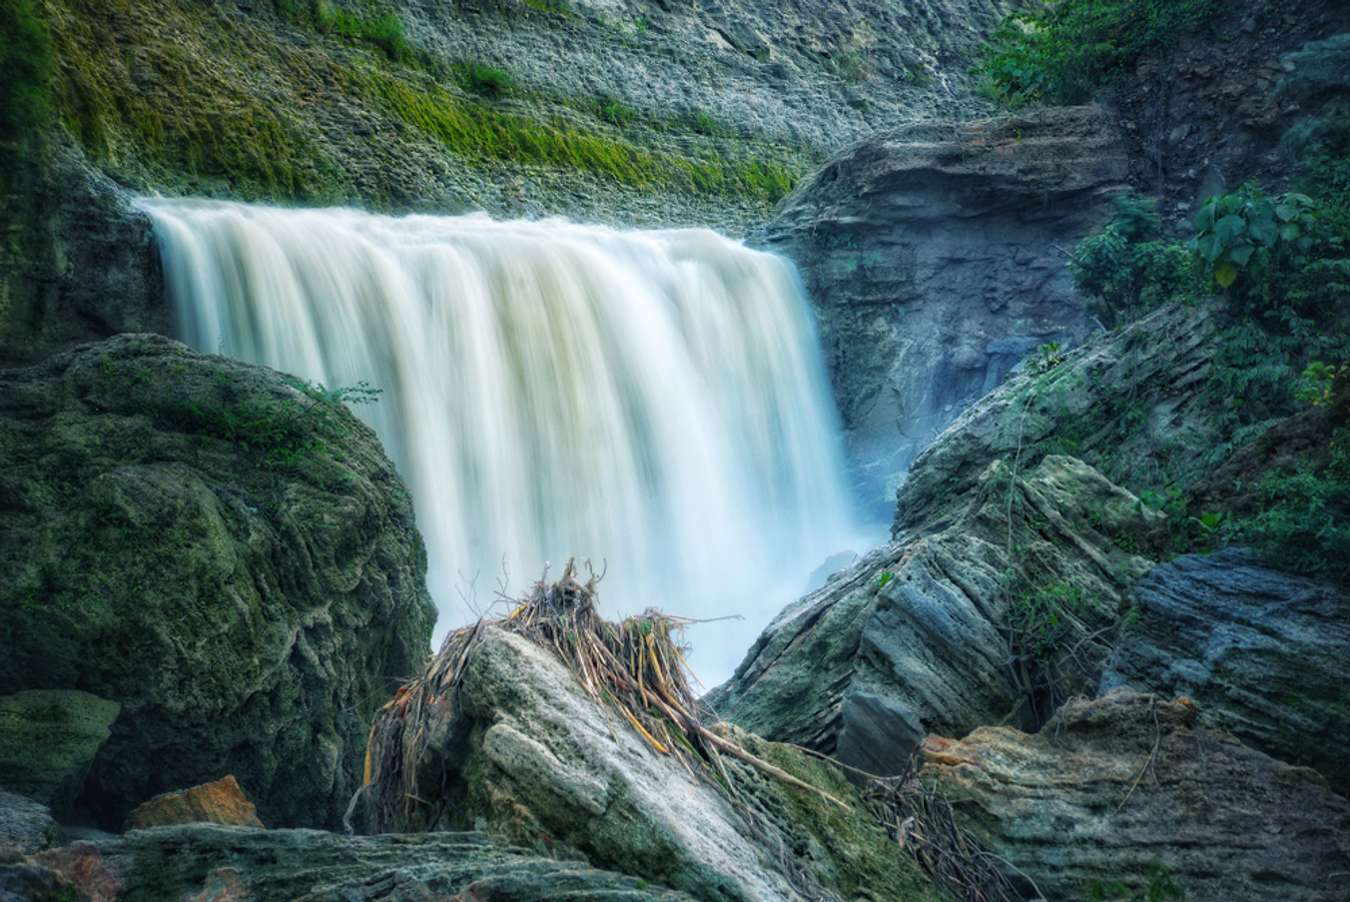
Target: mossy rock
<point x="221" y="549"/>
<point x="48" y="740"/>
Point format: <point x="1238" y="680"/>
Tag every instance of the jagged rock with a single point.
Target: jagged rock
<point x="48" y="740"/>
<point x="1115" y="787"/>
<point x="228" y="556"/>
<point x="1266" y="655"/>
<point x="914" y="640"/>
<point x="219" y="802"/>
<point x="241" y="864"/>
<point x="26" y="826"/>
<point x="934" y="255"/>
<point x="1129" y="402"/>
<point x="522" y="750"/>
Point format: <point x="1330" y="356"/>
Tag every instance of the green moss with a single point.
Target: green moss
<point x="259" y="122"/>
<point x="857" y="858"/>
<point x="25" y="70"/>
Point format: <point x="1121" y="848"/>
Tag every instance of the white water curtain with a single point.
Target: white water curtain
<point x="652" y="400"/>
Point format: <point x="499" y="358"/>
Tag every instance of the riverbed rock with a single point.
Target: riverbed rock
<point x="915" y="638"/>
<point x="218" y="802"/>
<point x="935" y="256"/>
<point x="220" y="550"/>
<point x="241" y="864"/>
<point x="520" y="749"/>
<point x="26" y="826"/>
<point x="1266" y="655"/>
<point x="1128" y="789"/>
<point x="48" y="740"/>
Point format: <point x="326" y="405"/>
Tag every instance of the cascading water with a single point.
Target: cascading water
<point x="653" y="400"/>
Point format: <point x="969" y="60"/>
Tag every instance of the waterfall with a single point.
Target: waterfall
<point x="653" y="400"/>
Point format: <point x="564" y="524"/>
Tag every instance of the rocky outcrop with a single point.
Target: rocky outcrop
<point x="918" y="637"/>
<point x="1264" y="654"/>
<point x="520" y="748"/>
<point x="1127" y="790"/>
<point x="218" y="802"/>
<point x="1129" y="402"/>
<point x="222" y="551"/>
<point x="218" y="863"/>
<point x="935" y="255"/>
<point x="48" y="740"/>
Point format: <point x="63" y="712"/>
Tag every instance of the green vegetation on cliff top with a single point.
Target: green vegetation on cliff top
<point x="1066" y="51"/>
<point x="319" y="104"/>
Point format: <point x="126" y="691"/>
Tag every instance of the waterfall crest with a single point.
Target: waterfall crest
<point x="653" y="400"/>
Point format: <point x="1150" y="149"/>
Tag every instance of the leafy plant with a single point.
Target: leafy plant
<point x="1247" y="230"/>
<point x="1065" y="51"/>
<point x="1318" y="382"/>
<point x="1129" y="267"/>
<point x="884" y="579"/>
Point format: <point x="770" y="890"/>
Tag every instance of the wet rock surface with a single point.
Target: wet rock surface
<point x="1115" y="789"/>
<point x="935" y="257"/>
<point x="228" y="556"/>
<point x="1266" y="655"/>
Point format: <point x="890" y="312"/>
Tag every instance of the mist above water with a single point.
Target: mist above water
<point x="652" y="401"/>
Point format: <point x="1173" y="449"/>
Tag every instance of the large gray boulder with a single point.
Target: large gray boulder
<point x="223" y="552"/>
<point x="935" y="256"/>
<point x="1126" y="792"/>
<point x="1266" y="655"/>
<point x="504" y="737"/>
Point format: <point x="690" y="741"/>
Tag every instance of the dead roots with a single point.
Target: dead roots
<point x="635" y="667"/>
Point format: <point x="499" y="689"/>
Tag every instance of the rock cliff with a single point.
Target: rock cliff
<point x="936" y="257"/>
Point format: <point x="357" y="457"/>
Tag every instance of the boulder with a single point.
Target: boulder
<point x="934" y="255"/>
<point x="48" y="740"/>
<point x="1125" y="792"/>
<point x="221" y="550"/>
<point x="26" y="826"/>
<point x="509" y="741"/>
<point x="918" y="636"/>
<point x="1265" y="655"/>
<point x="219" y="802"/>
<point x="220" y="863"/>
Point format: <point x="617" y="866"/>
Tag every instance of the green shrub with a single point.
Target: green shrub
<point x="1065" y="51"/>
<point x="1129" y="268"/>
<point x="484" y="80"/>
<point x="615" y="112"/>
<point x="1303" y="524"/>
<point x="383" y="30"/>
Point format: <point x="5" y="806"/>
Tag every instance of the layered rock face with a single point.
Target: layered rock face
<point x="914" y="639"/>
<point x="219" y="863"/>
<point x="935" y="255"/>
<point x="1125" y="790"/>
<point x="1265" y="655"/>
<point x="224" y="552"/>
